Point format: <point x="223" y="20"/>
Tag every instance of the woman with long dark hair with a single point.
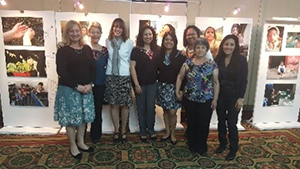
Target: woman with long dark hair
<point x="169" y="65"/>
<point x="143" y="66"/>
<point x="233" y="71"/>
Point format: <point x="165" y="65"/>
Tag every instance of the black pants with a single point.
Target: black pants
<point x="96" y="126"/>
<point x="198" y="120"/>
<point x="227" y="118"/>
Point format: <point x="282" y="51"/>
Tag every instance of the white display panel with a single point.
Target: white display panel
<point x="157" y="22"/>
<point x="277" y="93"/>
<point x="35" y="52"/>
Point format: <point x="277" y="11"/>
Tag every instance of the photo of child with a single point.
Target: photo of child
<point x="27" y="94"/>
<point x="293" y="40"/>
<point x="283" y="67"/>
<point x="274" y="39"/>
<point x="279" y="94"/>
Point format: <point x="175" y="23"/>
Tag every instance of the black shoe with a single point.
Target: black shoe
<point x="77" y="156"/>
<point x="144" y="140"/>
<point x="173" y="142"/>
<point x="116" y="137"/>
<point x="95" y="141"/>
<point x="165" y="139"/>
<point x="220" y="149"/>
<point x="203" y="154"/>
<point x="154" y="138"/>
<point x="89" y="150"/>
<point x="230" y="156"/>
<point x="124" y="138"/>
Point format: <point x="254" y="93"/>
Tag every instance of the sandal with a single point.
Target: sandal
<point x="116" y="137"/>
<point x="123" y="138"/>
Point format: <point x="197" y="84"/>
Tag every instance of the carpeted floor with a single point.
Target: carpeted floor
<point x="258" y="149"/>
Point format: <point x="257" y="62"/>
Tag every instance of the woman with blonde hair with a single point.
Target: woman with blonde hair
<point x="74" y="105"/>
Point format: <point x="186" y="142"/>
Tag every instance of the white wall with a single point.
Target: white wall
<point x="259" y="10"/>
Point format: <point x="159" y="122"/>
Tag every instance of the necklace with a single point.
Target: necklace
<point x="78" y="51"/>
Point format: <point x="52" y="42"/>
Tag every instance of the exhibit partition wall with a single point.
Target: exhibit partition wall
<point x="137" y="21"/>
<point x="214" y="30"/>
<point x="277" y="93"/>
<point x="85" y="21"/>
<point x="28" y="78"/>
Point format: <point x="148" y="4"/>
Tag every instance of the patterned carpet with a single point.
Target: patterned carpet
<point x="258" y="149"/>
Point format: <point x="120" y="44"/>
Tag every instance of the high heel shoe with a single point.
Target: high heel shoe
<point x="123" y="138"/>
<point x="173" y="142"/>
<point x="166" y="138"/>
<point x="116" y="137"/>
<point x="77" y="156"/>
<point x="89" y="150"/>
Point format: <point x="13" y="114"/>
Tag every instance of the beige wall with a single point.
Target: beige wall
<point x="259" y="10"/>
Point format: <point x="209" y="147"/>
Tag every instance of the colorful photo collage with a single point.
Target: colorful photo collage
<point x="283" y="65"/>
<point x="25" y="59"/>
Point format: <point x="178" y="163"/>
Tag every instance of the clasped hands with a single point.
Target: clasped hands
<point x="85" y="89"/>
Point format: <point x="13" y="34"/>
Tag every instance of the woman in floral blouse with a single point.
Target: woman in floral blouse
<point x="200" y="95"/>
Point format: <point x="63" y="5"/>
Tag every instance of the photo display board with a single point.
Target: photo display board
<point x="241" y="27"/>
<point x="28" y="76"/>
<point x="137" y="21"/>
<point x="277" y="93"/>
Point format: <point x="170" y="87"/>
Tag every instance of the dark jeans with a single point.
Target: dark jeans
<point x="96" y="126"/>
<point x="146" y="109"/>
<point x="198" y="120"/>
<point x="227" y="118"/>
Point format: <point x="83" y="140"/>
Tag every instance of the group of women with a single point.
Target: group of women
<point x="162" y="75"/>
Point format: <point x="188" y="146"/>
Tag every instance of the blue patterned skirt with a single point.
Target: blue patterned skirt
<point x="73" y="108"/>
<point x="166" y="97"/>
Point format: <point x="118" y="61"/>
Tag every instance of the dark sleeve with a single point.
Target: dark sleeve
<point x="92" y="64"/>
<point x="133" y="55"/>
<point x="62" y="68"/>
<point x="242" y="76"/>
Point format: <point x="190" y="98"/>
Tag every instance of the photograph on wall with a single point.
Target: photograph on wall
<point x="160" y="25"/>
<point x="274" y="38"/>
<point x="215" y="29"/>
<point x="279" y="95"/>
<point x="239" y="30"/>
<point x="293" y="40"/>
<point x="28" y="94"/>
<point x="25" y="63"/>
<point x="214" y="37"/>
<point x="84" y="29"/>
<point x="283" y="67"/>
<point x="23" y="31"/>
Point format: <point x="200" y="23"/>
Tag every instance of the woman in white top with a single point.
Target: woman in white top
<point x="118" y="82"/>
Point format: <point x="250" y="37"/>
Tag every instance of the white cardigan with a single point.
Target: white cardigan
<point x="124" y="52"/>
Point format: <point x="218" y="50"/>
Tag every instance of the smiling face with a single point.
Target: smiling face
<point x="74" y="34"/>
<point x="210" y="34"/>
<point x="168" y="42"/>
<point x="229" y="46"/>
<point x="117" y="31"/>
<point x="200" y="51"/>
<point x="191" y="36"/>
<point x="95" y="34"/>
<point x="147" y="36"/>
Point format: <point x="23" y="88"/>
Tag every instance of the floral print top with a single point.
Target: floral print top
<point x="199" y="86"/>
